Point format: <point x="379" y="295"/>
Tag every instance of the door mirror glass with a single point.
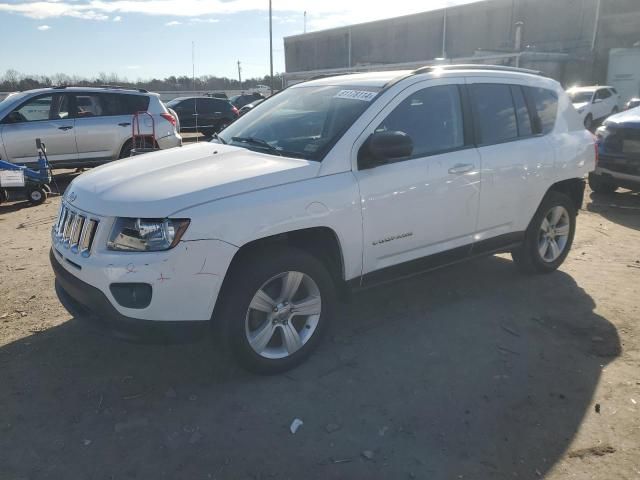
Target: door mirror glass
<point x="381" y="147"/>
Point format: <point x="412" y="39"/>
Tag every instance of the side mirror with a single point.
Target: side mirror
<point x="597" y="100"/>
<point x="381" y="147"/>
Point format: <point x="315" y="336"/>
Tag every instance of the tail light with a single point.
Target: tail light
<point x="169" y="118"/>
<point x="235" y="111"/>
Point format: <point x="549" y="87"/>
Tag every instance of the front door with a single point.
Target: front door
<point x="46" y="117"/>
<point x="428" y="202"/>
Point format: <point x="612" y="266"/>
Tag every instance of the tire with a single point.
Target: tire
<point x="126" y="150"/>
<point x="558" y="212"/>
<point x="37" y="195"/>
<point x="588" y="122"/>
<point x="257" y="311"/>
<point x="601" y="185"/>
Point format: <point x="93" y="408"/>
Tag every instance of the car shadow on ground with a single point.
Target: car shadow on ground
<point x="474" y="372"/>
<point x="621" y="207"/>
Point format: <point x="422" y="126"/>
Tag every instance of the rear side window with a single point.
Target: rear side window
<point x="494" y="113"/>
<point x="432" y="117"/>
<point x="603" y="94"/>
<point x="124" y="104"/>
<point x="543" y="104"/>
<point x="615" y="92"/>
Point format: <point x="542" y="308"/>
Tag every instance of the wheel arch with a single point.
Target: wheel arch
<point x="573" y="188"/>
<point x="321" y="242"/>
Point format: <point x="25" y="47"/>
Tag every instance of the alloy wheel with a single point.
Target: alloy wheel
<point x="554" y="234"/>
<point x="283" y="315"/>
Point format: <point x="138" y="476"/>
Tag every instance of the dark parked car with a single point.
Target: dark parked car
<point x="203" y="114"/>
<point x="250" y="106"/>
<point x="619" y="153"/>
<point x="240" y="101"/>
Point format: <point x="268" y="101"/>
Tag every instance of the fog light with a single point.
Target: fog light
<point x="131" y="295"/>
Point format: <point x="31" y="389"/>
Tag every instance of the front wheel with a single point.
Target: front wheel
<point x="588" y="122"/>
<point x="277" y="306"/>
<point x="549" y="236"/>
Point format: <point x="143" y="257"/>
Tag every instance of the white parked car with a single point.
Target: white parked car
<point x="594" y="103"/>
<point x="333" y="184"/>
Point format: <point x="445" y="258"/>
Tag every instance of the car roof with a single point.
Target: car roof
<point x="381" y="79"/>
<point x="214" y="99"/>
<point x="61" y="89"/>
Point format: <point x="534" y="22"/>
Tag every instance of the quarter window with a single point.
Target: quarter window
<point x="432" y="117"/>
<point x="544" y="106"/>
<point x="494" y="113"/>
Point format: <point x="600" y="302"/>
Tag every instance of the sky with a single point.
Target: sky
<point x="142" y="39"/>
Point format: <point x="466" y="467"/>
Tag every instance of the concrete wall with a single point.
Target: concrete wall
<point x="562" y="26"/>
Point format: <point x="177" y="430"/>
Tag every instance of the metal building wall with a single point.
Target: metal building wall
<point x="563" y="26"/>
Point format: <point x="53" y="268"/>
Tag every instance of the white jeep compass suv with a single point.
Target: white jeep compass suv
<point x="333" y="184"/>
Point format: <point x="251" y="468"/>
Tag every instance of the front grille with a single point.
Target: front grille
<point x="75" y="231"/>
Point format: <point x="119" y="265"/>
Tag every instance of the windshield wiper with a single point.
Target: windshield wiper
<point x="257" y="142"/>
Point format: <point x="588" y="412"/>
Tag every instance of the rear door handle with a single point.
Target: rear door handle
<point x="124" y="124"/>
<point x="68" y="127"/>
<point x="461" y="168"/>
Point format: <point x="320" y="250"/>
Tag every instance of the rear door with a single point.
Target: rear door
<point x="47" y="117"/>
<point x="517" y="161"/>
<point x="186" y="111"/>
<point x="103" y="123"/>
<point x="603" y="103"/>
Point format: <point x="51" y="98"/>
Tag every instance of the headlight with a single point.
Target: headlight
<point x="146" y="234"/>
<point x="580" y="110"/>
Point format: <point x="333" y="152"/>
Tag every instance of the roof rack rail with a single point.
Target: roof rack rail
<point x="329" y="75"/>
<point x="59" y="87"/>
<point x="119" y="87"/>
<point x="475" y="66"/>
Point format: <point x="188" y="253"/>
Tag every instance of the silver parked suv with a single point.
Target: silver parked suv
<point x="80" y="126"/>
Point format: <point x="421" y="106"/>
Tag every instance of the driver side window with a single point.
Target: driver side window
<point x="432" y="117"/>
<point x="48" y="107"/>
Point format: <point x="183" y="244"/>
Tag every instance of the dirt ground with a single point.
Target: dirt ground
<point x="472" y="372"/>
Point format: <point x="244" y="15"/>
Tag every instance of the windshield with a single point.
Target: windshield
<point x="12" y="98"/>
<point x="302" y="122"/>
<point x="580" y="97"/>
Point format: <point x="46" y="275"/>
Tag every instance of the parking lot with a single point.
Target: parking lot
<point x="474" y="371"/>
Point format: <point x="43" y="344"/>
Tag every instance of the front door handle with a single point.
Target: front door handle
<point x="124" y="124"/>
<point x="461" y="168"/>
<point x="68" y="127"/>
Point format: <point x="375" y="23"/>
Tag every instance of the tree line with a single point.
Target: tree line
<point x="13" y="80"/>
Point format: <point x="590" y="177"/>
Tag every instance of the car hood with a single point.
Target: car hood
<point x="627" y="119"/>
<point x="159" y="184"/>
<point x="580" y="105"/>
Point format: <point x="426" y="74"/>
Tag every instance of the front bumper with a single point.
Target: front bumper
<point x="108" y="318"/>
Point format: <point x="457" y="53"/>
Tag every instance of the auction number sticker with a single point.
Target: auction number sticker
<point x="356" y="95"/>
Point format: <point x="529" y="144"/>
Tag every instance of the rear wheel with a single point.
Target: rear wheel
<point x="277" y="306"/>
<point x="549" y="236"/>
<point x="126" y="150"/>
<point x="36" y="195"/>
<point x="601" y="185"/>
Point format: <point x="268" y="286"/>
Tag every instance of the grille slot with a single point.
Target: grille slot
<point x="75" y="231"/>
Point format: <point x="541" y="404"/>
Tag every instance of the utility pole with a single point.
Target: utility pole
<point x="239" y="75"/>
<point x="193" y="64"/>
<point x="305" y="21"/>
<point x="270" y="48"/>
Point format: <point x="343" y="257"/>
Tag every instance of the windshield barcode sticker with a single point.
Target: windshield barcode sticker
<point x="356" y="95"/>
